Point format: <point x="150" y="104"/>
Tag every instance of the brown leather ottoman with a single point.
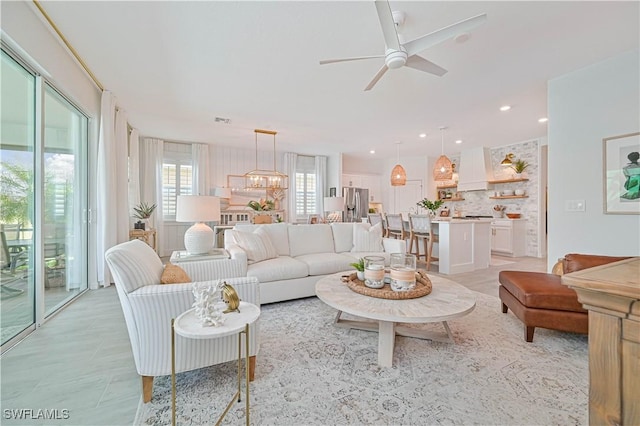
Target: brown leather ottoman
<point x="540" y="300"/>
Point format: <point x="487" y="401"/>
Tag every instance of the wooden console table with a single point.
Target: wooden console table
<point x="149" y="236"/>
<point x="611" y="293"/>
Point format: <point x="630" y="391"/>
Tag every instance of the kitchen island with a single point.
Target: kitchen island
<point x="463" y="245"/>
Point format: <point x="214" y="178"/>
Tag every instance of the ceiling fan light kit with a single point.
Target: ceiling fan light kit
<point x="399" y="54"/>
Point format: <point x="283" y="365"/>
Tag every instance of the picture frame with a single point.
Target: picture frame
<point x="621" y="174"/>
<point x="313" y="219"/>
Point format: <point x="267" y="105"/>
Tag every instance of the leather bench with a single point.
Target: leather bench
<point x="540" y="300"/>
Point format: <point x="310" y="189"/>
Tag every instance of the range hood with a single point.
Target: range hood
<point x="475" y="170"/>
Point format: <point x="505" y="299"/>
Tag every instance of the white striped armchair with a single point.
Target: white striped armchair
<point x="149" y="306"/>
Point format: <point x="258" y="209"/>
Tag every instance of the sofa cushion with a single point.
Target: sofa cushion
<point x="325" y="263"/>
<point x="279" y="235"/>
<point x="367" y="238"/>
<point x="256" y="244"/>
<point x="309" y="239"/>
<point x="342" y="236"/>
<point x="280" y="268"/>
<point x="540" y="290"/>
<point x="575" y="262"/>
<point x="173" y="274"/>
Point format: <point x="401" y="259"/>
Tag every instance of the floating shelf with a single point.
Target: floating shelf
<point x="508" y="180"/>
<point x="452" y="199"/>
<point x="446" y="186"/>
<point x="509" y="196"/>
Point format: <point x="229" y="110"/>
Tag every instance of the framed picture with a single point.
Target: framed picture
<point x="313" y="219"/>
<point x="240" y="195"/>
<point x="622" y="174"/>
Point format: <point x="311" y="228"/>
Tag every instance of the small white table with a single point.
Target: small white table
<point x="187" y="325"/>
<point x="446" y="301"/>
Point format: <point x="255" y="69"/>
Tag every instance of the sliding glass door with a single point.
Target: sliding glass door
<point x="43" y="172"/>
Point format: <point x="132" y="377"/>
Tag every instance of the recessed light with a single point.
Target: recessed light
<point x="372" y="151"/>
<point x="505" y="108"/>
<point x="543" y="120"/>
<point x="458" y="141"/>
<point x="423" y="135"/>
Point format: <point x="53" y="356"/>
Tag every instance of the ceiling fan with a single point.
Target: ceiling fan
<point x="399" y="54"/>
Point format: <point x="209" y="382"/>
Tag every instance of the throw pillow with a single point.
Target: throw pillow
<point x="367" y="239"/>
<point x="256" y="244"/>
<point x="173" y="274"/>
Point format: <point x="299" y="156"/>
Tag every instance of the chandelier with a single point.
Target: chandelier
<point x="261" y="178"/>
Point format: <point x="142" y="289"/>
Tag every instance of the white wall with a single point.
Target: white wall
<point x="584" y="107"/>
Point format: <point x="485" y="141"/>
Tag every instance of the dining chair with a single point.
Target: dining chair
<point x="395" y="227"/>
<point x="420" y="230"/>
<point x="375" y="218"/>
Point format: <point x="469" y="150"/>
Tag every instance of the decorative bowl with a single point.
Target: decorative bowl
<point x="513" y="215"/>
<point x="519" y="192"/>
<point x="508" y="192"/>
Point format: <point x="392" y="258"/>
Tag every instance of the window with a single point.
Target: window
<point x="305" y="187"/>
<point x="177" y="176"/>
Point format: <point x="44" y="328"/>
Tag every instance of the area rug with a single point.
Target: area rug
<point x="499" y="262"/>
<point x="310" y="372"/>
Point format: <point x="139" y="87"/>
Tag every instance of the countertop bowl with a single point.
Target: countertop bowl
<point x="513" y="215"/>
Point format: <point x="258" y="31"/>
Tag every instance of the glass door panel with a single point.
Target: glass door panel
<point x="17" y="159"/>
<point x="65" y="187"/>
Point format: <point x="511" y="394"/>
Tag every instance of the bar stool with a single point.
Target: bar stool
<point x="420" y="230"/>
<point x="395" y="226"/>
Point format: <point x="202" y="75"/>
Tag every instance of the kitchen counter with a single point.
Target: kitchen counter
<point x="464" y="244"/>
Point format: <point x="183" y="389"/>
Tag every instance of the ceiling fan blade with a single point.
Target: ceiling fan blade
<point x="331" y="61"/>
<point x="377" y="77"/>
<point x="431" y="39"/>
<point x="420" y="63"/>
<point x="388" y="26"/>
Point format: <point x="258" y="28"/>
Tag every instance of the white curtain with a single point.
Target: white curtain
<point x="321" y="182"/>
<point x="112" y="181"/>
<point x="290" y="161"/>
<point x="134" y="171"/>
<point x="151" y="158"/>
<point x="201" y="181"/>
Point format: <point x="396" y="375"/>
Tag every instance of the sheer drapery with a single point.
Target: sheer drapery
<point x="290" y="161"/>
<point x="201" y="181"/>
<point x="151" y="158"/>
<point x="321" y="182"/>
<point x="112" y="183"/>
<point x="134" y="170"/>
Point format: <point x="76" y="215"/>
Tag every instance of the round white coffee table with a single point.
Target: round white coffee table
<point x="447" y="300"/>
<point x="189" y="326"/>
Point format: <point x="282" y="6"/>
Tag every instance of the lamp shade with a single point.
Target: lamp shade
<point x="197" y="208"/>
<point x="333" y="204"/>
<point x="443" y="169"/>
<point x="398" y="176"/>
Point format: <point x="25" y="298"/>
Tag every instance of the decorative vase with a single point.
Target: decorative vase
<point x="360" y="275"/>
<point x="374" y="271"/>
<point x="432" y="214"/>
<point x="403" y="271"/>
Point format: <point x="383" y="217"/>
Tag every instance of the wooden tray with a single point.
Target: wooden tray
<point x="423" y="287"/>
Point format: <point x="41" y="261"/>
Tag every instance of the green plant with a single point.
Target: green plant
<point x="359" y="265"/>
<point x="519" y="166"/>
<point x="372" y="210"/>
<point x="262" y="205"/>
<point x="430" y="205"/>
<point x="144" y="210"/>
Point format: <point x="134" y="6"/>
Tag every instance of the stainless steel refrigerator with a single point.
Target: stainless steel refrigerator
<point x="356" y="204"/>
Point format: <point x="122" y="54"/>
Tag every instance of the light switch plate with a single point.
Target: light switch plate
<point x="575" y="205"/>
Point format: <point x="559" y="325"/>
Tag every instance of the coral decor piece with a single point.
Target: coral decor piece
<point x="207" y="303"/>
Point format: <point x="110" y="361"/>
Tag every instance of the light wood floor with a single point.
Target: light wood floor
<point x="81" y="359"/>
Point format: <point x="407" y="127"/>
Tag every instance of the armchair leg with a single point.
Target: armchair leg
<point x="528" y="333"/>
<point x="147" y="388"/>
<point x="252" y="367"/>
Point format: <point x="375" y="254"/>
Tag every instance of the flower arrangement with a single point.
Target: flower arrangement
<point x="262" y="205"/>
<point x="430" y="205"/>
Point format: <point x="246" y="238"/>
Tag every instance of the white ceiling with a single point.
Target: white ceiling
<point x="174" y="66"/>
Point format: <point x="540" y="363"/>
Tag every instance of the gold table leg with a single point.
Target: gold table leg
<point x="246" y="374"/>
<point x="173" y="375"/>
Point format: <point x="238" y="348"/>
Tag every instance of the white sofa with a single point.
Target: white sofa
<point x="149" y="306"/>
<point x="306" y="253"/>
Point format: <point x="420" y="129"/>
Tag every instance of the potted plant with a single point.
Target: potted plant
<point x="143" y="212"/>
<point x="519" y="166"/>
<point x="432" y="206"/>
<point x="262" y="205"/>
<point x="359" y="265"/>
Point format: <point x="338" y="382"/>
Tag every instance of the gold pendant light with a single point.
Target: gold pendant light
<point x="443" y="169"/>
<point x="398" y="175"/>
<point x="261" y="178"/>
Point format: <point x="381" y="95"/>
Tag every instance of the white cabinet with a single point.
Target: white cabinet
<point x="370" y="182"/>
<point x="508" y="237"/>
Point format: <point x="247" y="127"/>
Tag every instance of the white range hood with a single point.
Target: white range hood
<point x="476" y="170"/>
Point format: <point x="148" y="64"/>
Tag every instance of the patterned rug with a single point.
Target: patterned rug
<point x="310" y="372"/>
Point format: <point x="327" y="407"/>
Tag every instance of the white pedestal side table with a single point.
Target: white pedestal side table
<point x="188" y="326"/>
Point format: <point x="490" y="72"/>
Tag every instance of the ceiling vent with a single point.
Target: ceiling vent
<point x="223" y="120"/>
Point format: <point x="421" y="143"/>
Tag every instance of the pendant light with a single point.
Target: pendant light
<point x="442" y="169"/>
<point x="398" y="175"/>
<point x="265" y="178"/>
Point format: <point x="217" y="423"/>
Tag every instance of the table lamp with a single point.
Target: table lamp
<point x="198" y="208"/>
<point x="334" y="204"/>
